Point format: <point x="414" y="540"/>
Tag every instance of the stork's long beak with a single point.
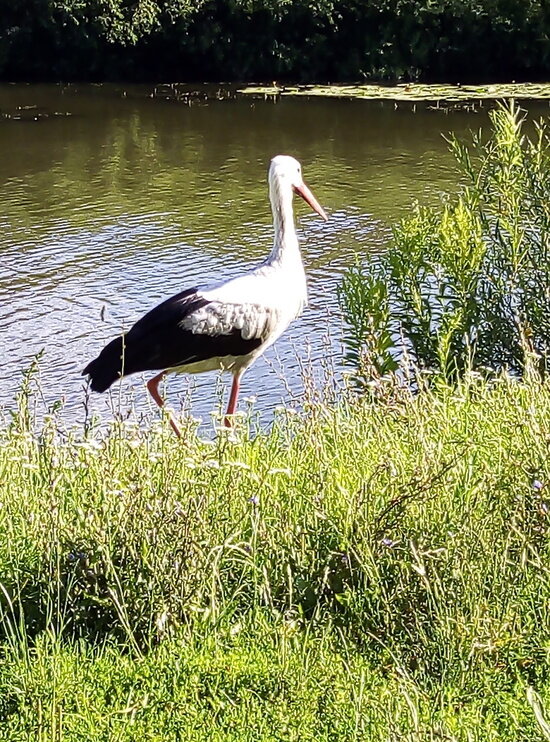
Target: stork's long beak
<point x="303" y="191"/>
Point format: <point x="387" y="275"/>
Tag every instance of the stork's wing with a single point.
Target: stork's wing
<point x="217" y="318"/>
<point x="190" y="328"/>
<point x="187" y="328"/>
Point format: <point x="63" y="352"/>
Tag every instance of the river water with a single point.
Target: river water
<point x="114" y="198"/>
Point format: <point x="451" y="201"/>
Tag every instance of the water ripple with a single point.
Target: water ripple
<point x="107" y="212"/>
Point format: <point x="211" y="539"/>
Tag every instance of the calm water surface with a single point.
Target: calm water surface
<point x="131" y="198"/>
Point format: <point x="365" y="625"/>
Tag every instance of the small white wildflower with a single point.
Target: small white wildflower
<point x="116" y="493"/>
<point x="90" y="445"/>
<point x="537" y="485"/>
<point x="280" y="471"/>
<point x="239" y="465"/>
<point x="392" y="469"/>
<point x="229" y="434"/>
<point x="235" y="629"/>
<point x="161" y="621"/>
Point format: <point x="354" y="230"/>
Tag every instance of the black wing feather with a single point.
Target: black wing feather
<point x="158" y="341"/>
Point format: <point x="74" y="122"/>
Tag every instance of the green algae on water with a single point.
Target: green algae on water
<point x="407" y="91"/>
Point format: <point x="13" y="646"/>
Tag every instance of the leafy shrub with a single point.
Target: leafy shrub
<point x="466" y="285"/>
<point x="182" y="40"/>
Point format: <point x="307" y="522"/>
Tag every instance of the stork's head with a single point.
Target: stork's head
<point x="286" y="173"/>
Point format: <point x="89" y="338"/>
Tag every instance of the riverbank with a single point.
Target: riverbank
<point x="374" y="571"/>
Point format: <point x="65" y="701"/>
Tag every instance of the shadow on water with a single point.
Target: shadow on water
<point x="122" y="199"/>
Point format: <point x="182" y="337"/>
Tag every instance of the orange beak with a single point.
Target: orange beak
<point x="303" y="191"/>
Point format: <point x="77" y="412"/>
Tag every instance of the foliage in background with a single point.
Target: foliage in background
<point x="466" y="286"/>
<point x="300" y="40"/>
<point x="367" y="572"/>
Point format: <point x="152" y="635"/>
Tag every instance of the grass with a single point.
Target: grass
<point x="376" y="571"/>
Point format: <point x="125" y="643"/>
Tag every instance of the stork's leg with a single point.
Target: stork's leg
<point x="153" y="388"/>
<point x="232" y="402"/>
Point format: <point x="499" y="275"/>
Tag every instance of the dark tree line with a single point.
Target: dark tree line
<point x="298" y="40"/>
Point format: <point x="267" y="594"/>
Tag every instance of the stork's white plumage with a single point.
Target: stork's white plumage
<point x="226" y="326"/>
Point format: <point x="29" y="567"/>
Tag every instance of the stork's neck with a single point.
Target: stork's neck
<point x="285" y="241"/>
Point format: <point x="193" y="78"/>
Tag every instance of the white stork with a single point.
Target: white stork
<point x="225" y="326"/>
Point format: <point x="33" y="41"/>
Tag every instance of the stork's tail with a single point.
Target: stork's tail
<point x="107" y="367"/>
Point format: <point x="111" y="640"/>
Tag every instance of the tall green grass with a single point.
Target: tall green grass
<point x="372" y="571"/>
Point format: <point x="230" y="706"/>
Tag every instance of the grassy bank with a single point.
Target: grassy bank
<point x="378" y="571"/>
